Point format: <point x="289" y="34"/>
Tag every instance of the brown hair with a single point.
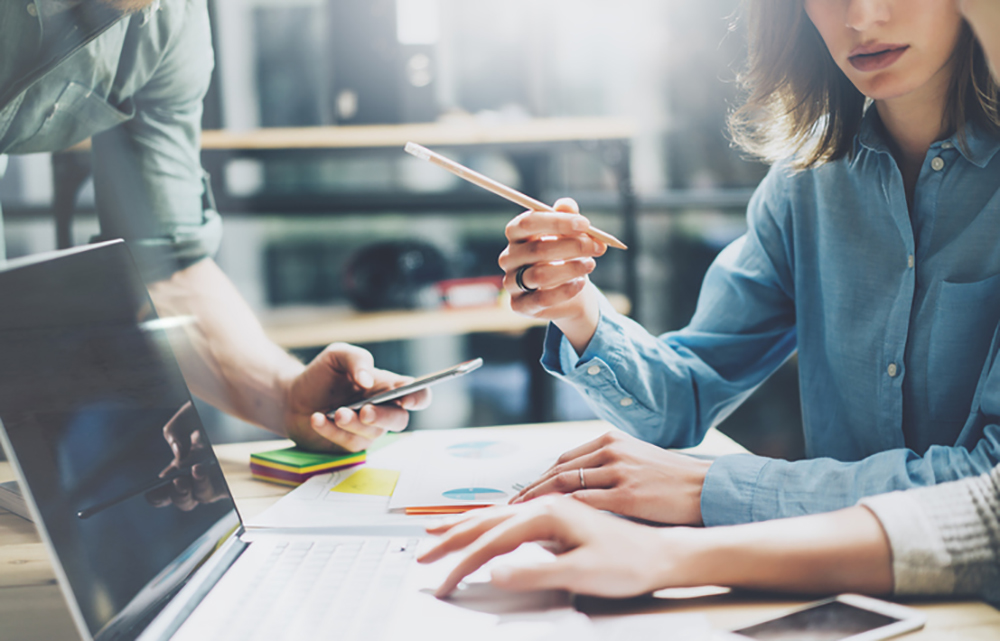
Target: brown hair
<point x="800" y="105"/>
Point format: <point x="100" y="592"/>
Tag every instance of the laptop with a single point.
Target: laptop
<point x="129" y="498"/>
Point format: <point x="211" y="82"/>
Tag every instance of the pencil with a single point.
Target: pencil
<point x="500" y="189"/>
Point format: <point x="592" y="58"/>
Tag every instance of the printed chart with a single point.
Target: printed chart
<point x="476" y="494"/>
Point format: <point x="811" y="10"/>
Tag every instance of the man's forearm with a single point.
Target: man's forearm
<point x="225" y="356"/>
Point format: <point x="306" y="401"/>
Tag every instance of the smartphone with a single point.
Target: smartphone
<point x="847" y="617"/>
<point x="417" y="385"/>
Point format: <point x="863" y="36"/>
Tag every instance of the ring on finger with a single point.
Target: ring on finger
<point x="583" y="483"/>
<point x="519" y="280"/>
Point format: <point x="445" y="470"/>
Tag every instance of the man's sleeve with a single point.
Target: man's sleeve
<point x="149" y="184"/>
<point x="744" y="487"/>
<point x="670" y="389"/>
<point x="945" y="539"/>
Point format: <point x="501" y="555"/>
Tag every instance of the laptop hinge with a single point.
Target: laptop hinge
<point x="180" y="607"/>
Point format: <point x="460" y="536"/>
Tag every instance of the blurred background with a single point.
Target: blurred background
<point x="311" y="233"/>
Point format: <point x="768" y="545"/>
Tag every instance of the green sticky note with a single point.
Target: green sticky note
<point x="295" y="457"/>
<point x="369" y="481"/>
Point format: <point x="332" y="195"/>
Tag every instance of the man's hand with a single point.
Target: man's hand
<point x="197" y="477"/>
<point x="338" y="376"/>
<point x="622" y="474"/>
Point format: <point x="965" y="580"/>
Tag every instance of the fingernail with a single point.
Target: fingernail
<point x="367" y="415"/>
<point x="580" y="223"/>
<point x="365" y="379"/>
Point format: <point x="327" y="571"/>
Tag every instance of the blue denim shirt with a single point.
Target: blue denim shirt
<point x="134" y="84"/>
<point x="893" y="315"/>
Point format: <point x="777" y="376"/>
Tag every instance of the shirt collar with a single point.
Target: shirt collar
<point x="979" y="148"/>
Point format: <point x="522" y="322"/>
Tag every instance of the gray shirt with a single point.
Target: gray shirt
<point x="945" y="539"/>
<point x="134" y="84"/>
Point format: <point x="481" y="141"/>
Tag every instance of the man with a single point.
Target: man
<point x="131" y="75"/>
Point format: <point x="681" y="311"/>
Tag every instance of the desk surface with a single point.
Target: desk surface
<point x="32" y="608"/>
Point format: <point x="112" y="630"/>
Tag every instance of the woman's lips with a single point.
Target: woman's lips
<point x="878" y="59"/>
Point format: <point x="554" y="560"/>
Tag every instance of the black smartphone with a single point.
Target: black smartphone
<point x="417" y="385"/>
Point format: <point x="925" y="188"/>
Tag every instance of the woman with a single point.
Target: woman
<point x="934" y="109"/>
<point x="871" y="252"/>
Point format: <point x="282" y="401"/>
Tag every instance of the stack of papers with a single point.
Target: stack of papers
<point x="293" y="466"/>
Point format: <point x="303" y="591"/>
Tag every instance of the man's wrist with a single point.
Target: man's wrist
<point x="286" y="375"/>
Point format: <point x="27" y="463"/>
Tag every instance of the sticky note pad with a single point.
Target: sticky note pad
<point x="292" y="466"/>
<point x="369" y="481"/>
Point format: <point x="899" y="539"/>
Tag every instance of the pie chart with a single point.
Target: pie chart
<point x="483" y="494"/>
<point x="482" y="449"/>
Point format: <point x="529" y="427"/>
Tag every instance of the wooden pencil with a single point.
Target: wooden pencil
<point x="500" y="189"/>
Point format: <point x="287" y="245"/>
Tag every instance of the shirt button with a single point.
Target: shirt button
<point x="625" y="402"/>
<point x="594" y="370"/>
<point x="909" y="261"/>
<point x="32" y="9"/>
<point x="937" y="164"/>
<point x="947" y="145"/>
<point x="892" y="370"/>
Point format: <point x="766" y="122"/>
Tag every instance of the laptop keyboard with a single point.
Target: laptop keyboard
<point x="304" y="589"/>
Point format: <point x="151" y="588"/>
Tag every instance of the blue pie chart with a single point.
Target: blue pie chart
<point x="474" y="494"/>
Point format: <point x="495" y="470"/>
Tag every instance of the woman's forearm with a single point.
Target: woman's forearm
<point x="843" y="551"/>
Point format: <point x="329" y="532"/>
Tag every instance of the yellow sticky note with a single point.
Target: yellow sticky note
<point x="369" y="481"/>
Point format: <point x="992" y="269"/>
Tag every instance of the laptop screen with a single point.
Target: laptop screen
<point x="101" y="426"/>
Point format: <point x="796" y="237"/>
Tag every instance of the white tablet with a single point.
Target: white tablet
<point x="848" y="617"/>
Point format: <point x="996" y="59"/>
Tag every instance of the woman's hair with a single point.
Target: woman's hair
<point x="800" y="105"/>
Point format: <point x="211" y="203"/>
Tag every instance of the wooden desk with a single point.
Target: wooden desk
<point x="32" y="607"/>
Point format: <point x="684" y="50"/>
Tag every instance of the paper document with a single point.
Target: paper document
<point x="449" y="470"/>
<point x="314" y="505"/>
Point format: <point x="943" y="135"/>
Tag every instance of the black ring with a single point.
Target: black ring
<point x="519" y="280"/>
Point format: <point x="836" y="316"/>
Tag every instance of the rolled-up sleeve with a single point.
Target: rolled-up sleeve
<point x="149" y="183"/>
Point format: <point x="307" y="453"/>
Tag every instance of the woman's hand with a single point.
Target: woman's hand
<point x="554" y="256"/>
<point x="337" y="377"/>
<point x="621" y="474"/>
<point x="597" y="553"/>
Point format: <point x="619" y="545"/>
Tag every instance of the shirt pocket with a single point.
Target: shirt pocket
<point x="965" y="319"/>
<point x="76" y="115"/>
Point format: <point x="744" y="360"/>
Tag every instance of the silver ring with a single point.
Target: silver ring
<point x="583" y="484"/>
<point x="519" y="280"/>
